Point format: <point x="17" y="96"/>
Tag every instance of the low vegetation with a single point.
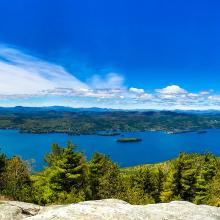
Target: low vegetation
<point x="69" y="177"/>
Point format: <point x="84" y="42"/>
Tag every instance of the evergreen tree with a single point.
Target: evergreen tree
<point x="67" y="175"/>
<point x="104" y="177"/>
<point x="2" y="162"/>
<point x="52" y="157"/>
<point x="172" y="186"/>
<point x="145" y="180"/>
<point x="159" y="185"/>
<point x="2" y="169"/>
<point x="68" y="170"/>
<point x="181" y="180"/>
<point x="213" y="192"/>
<point x="208" y="170"/>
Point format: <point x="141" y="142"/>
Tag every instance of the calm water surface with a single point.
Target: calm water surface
<point x="155" y="147"/>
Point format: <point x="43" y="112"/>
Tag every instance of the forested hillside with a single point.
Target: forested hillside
<point x="42" y="120"/>
<point x="69" y="177"/>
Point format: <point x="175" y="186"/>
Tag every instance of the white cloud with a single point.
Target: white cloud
<point x="26" y="79"/>
<point x="145" y="96"/>
<point x="25" y="74"/>
<point x="110" y="81"/>
<point x="193" y="95"/>
<point x="204" y="93"/>
<point x="136" y="90"/>
<point x="173" y="89"/>
<point x="214" y="98"/>
<point x="168" y="96"/>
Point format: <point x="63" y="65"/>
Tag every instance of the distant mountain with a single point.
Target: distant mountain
<point x="208" y="111"/>
<point x="18" y="109"/>
<point x="54" y="108"/>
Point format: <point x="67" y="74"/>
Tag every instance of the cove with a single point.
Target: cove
<point x="155" y="146"/>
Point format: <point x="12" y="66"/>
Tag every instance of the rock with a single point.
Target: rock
<point x="110" y="209"/>
<point x="12" y="210"/>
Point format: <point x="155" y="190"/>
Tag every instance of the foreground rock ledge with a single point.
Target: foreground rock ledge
<point x="109" y="209"/>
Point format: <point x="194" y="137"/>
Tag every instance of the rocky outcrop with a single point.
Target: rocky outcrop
<point x="109" y="209"/>
<point x="18" y="210"/>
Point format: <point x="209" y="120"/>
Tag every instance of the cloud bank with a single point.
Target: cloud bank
<point x="28" y="80"/>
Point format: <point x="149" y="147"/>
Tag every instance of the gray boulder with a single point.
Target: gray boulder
<point x="12" y="210"/>
<point x="110" y="209"/>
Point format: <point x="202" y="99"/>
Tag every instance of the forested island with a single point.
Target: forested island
<point x="109" y="134"/>
<point x="69" y="178"/>
<point x="76" y="122"/>
<point x="127" y="140"/>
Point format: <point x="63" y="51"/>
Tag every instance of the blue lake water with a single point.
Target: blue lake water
<point x="155" y="147"/>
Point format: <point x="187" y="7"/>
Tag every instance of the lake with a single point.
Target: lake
<point x="155" y="147"/>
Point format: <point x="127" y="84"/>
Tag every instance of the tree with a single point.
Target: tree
<point x="208" y="170"/>
<point x="104" y="177"/>
<point x="159" y="184"/>
<point x="172" y="185"/>
<point x="66" y="175"/>
<point x="17" y="183"/>
<point x="52" y="157"/>
<point x="181" y="180"/>
<point x="144" y="179"/>
<point x="2" y="169"/>
<point x="213" y="192"/>
<point x="2" y="162"/>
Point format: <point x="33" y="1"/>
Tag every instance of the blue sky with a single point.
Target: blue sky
<point x="118" y="53"/>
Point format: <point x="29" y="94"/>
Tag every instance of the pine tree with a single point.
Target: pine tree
<point x="67" y="175"/>
<point x="103" y="177"/>
<point x="69" y="170"/>
<point x="159" y="185"/>
<point x="213" y="191"/>
<point x="56" y="151"/>
<point x="181" y="180"/>
<point x="2" y="169"/>
<point x="208" y="170"/>
<point x="145" y="180"/>
<point x="172" y="186"/>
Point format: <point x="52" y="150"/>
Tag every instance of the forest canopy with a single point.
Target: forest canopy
<point x="69" y="178"/>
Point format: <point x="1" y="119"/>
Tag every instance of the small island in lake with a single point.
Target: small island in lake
<point x="125" y="140"/>
<point x="108" y="134"/>
<point x="201" y="132"/>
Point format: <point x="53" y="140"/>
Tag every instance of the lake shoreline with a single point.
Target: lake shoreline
<point x="117" y="133"/>
<point x="156" y="146"/>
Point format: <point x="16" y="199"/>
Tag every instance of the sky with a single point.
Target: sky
<point x="130" y="54"/>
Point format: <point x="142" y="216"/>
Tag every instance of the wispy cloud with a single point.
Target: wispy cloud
<point x="26" y="79"/>
<point x="110" y="81"/>
<point x="24" y="74"/>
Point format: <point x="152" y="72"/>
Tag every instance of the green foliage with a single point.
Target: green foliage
<point x="65" y="178"/>
<point x="2" y="162"/>
<point x="89" y="122"/>
<point x="15" y="180"/>
<point x="213" y="191"/>
<point x="69" y="178"/>
<point x="205" y="178"/>
<point x="2" y="169"/>
<point x="104" y="177"/>
<point x="145" y="180"/>
<point x="181" y="180"/>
